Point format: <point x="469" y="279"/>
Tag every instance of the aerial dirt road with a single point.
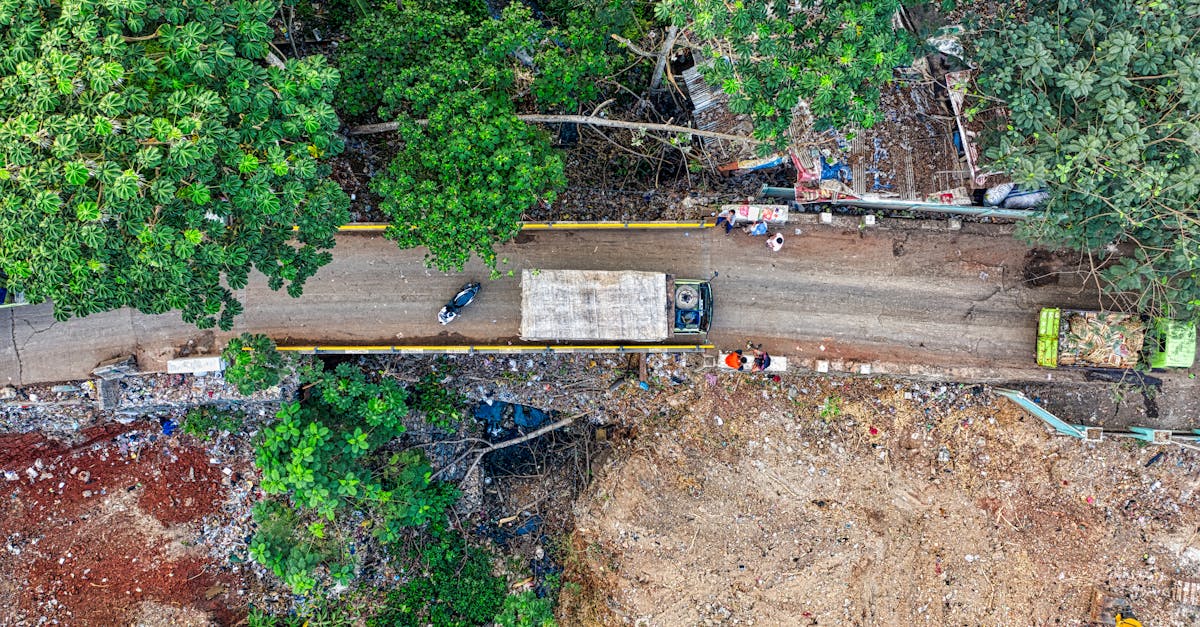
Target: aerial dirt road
<point x="903" y="300"/>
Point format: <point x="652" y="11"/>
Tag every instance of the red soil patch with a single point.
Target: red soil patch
<point x="104" y="527"/>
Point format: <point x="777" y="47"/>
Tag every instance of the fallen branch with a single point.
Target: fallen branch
<point x="588" y="120"/>
<point x="480" y="452"/>
<point x="663" y="55"/>
<point x="632" y="48"/>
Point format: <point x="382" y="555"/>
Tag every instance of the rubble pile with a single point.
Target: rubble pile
<point x="65" y="408"/>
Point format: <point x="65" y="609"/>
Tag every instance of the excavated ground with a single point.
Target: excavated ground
<point x="872" y="502"/>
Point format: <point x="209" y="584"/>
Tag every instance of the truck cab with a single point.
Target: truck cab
<point x="693" y="306"/>
<point x="612" y="306"/>
<point x="1171" y="344"/>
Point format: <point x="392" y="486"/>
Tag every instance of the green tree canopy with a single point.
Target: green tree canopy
<point x="767" y="55"/>
<point x="1104" y="110"/>
<point x="331" y="453"/>
<point x="468" y="167"/>
<point x="151" y="160"/>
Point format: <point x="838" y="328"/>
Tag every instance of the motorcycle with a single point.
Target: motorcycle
<point x="463" y="298"/>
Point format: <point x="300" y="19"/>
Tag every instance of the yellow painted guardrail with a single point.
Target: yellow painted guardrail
<point x="561" y="225"/>
<point x="566" y="225"/>
<point x="502" y="348"/>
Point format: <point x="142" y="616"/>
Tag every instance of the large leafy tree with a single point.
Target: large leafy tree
<point x="468" y="167"/>
<point x="331" y="453"/>
<point x="1104" y="110"/>
<point x="151" y="159"/>
<point x="768" y="55"/>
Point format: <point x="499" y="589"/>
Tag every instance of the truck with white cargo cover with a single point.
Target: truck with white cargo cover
<point x="624" y="306"/>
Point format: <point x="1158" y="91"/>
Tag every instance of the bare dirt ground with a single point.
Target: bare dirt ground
<point x="871" y="502"/>
<point x="110" y="531"/>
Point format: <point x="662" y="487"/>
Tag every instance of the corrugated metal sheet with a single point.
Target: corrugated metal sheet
<point x="710" y="112"/>
<point x="703" y="97"/>
<point x="594" y="305"/>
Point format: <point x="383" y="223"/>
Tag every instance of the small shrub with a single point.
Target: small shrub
<point x="322" y="612"/>
<point x="202" y="422"/>
<point x="831" y="408"/>
<point x="329" y="454"/>
<point x="283" y="546"/>
<point x="259" y="368"/>
<point x="440" y="405"/>
<point x="259" y="618"/>
<point x="527" y="609"/>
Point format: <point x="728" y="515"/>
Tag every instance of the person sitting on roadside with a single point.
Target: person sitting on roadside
<point x="726" y="218"/>
<point x="758" y="228"/>
<point x="736" y="360"/>
<point x="762" y="361"/>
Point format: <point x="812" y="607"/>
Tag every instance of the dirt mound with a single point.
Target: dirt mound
<point x="836" y="501"/>
<point x="105" y="534"/>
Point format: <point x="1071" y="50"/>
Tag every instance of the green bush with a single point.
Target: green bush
<point x="453" y="586"/>
<point x="324" y="451"/>
<point x="468" y="168"/>
<point x="339" y="611"/>
<point x="440" y="405"/>
<point x="202" y="422"/>
<point x="568" y="69"/>
<point x="253" y="364"/>
<point x="329" y="454"/>
<point x="259" y="618"/>
<point x="527" y="609"/>
<point x="290" y="550"/>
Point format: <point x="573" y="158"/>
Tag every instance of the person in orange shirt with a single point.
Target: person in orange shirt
<point x="736" y="360"/>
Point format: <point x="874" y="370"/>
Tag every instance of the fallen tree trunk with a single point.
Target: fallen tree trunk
<point x="537" y="118"/>
<point x="480" y="452"/>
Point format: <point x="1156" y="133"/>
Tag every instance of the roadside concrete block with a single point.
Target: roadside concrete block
<point x="195" y="365"/>
<point x="826" y="217"/>
<point x="116" y="368"/>
<point x="869" y="219"/>
<point x="864" y="369"/>
<point x="1093" y="434"/>
<point x="108" y="394"/>
<point x="954" y="224"/>
<point x="822" y="366"/>
<point x="1153" y="436"/>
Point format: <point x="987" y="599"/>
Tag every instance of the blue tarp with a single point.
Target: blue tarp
<point x="493" y="414"/>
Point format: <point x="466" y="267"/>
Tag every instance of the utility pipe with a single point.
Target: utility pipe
<point x="903" y="205"/>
